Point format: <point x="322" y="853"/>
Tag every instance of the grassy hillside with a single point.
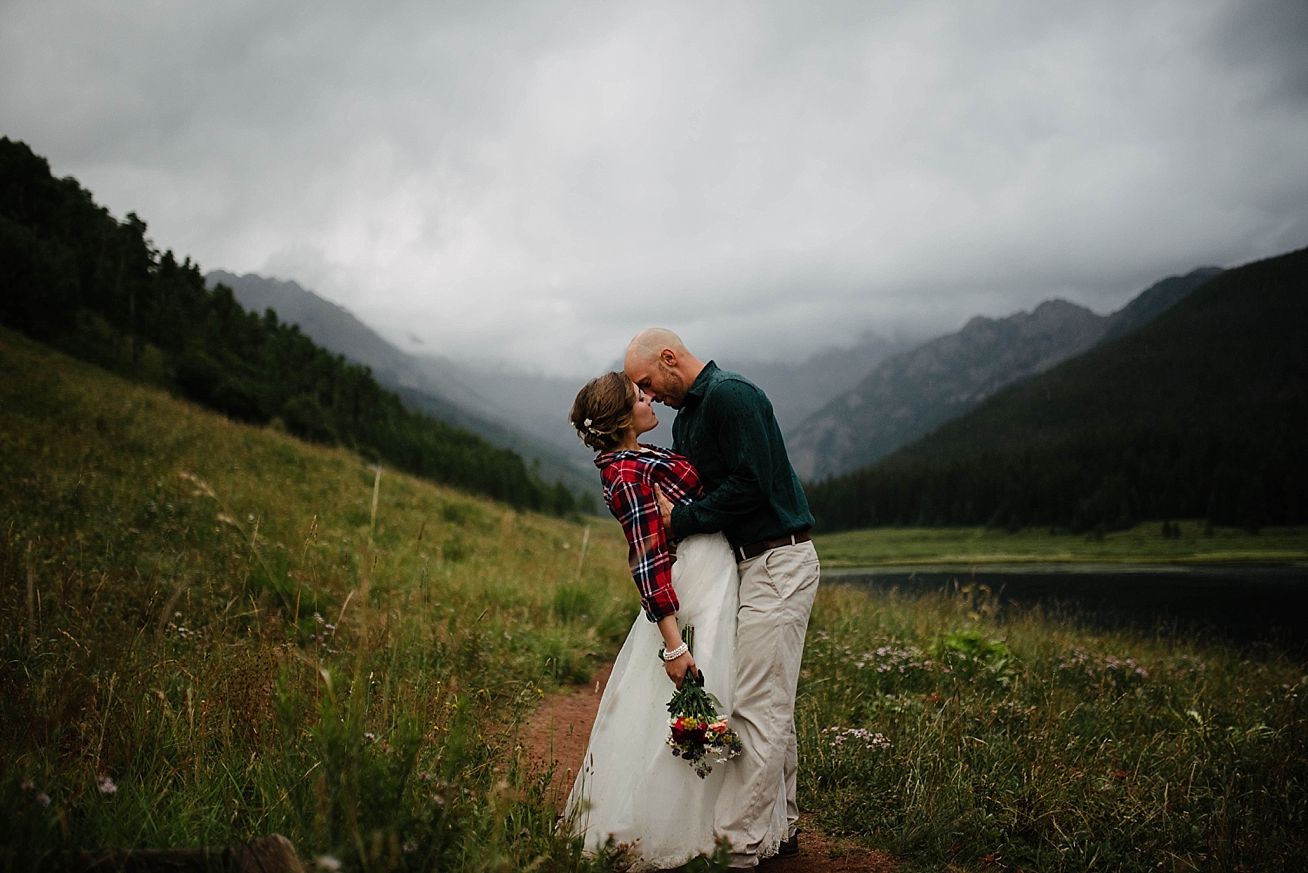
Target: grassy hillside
<point x="1193" y="542"/>
<point x="1199" y="414"/>
<point x="75" y="277"/>
<point x="245" y="633"/>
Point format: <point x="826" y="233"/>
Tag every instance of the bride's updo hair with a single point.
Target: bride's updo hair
<point x="603" y="410"/>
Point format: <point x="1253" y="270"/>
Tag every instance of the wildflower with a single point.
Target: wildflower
<point x="370" y="736"/>
<point x="870" y="740"/>
<point x="27" y="785"/>
<point x="328" y="863"/>
<point x="107" y="785"/>
<point x="43" y="799"/>
<point x="409" y="846"/>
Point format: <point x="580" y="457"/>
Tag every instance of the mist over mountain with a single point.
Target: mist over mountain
<point x="526" y="411"/>
<point x="839" y="409"/>
<point x="912" y="393"/>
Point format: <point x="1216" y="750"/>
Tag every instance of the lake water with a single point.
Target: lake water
<point x="1243" y="603"/>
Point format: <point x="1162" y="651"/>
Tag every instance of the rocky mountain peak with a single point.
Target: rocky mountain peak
<point x="910" y="394"/>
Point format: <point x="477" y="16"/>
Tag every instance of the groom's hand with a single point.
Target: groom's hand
<point x="665" y="512"/>
<point x="679" y="668"/>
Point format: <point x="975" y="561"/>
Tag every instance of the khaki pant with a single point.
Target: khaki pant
<point x="776" y="595"/>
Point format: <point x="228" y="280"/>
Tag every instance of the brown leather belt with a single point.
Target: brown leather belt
<point x="753" y="550"/>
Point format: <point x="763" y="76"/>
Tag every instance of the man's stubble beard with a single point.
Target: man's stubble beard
<point x="674" y="389"/>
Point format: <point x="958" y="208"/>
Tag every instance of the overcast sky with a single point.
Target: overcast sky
<point x="533" y="182"/>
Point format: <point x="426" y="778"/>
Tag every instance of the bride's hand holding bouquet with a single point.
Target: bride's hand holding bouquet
<point x="698" y="730"/>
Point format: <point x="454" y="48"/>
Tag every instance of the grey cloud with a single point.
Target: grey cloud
<point x="534" y="182"/>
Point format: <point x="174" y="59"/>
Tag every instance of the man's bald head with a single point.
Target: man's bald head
<point x="647" y="345"/>
<point x="658" y="362"/>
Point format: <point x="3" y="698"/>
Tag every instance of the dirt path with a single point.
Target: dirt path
<point x="558" y="733"/>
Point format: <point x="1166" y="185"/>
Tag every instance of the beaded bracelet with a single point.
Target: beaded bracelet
<point x="677" y="652"/>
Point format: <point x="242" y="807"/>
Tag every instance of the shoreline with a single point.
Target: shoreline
<point x="1043" y="566"/>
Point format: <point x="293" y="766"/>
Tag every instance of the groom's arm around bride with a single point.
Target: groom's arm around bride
<point x="726" y="427"/>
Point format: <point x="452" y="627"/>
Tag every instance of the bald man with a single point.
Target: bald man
<point x="726" y="427"/>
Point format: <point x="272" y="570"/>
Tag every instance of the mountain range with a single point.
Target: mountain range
<point x="527" y="411"/>
<point x="1201" y="411"/>
<point x="839" y="409"/>
<point x="910" y="394"/>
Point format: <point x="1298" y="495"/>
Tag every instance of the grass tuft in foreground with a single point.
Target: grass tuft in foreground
<point x="930" y="730"/>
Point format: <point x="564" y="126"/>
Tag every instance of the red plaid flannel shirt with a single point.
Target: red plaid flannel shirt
<point x="629" y="478"/>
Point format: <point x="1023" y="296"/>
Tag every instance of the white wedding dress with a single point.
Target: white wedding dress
<point x="631" y="787"/>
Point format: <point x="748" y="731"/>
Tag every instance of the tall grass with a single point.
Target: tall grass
<point x="211" y="632"/>
<point x="931" y="730"/>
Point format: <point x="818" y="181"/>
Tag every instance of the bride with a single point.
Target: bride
<point x="632" y="788"/>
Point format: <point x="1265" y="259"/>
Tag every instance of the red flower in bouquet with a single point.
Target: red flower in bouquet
<point x="688" y="729"/>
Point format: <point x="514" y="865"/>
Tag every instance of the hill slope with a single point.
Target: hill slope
<point x="912" y="393"/>
<point x="1201" y="412"/>
<point x="431" y="385"/>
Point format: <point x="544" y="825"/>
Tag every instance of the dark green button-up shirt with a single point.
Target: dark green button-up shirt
<point x="728" y="431"/>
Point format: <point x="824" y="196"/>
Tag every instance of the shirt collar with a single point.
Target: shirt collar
<point x="703" y="380"/>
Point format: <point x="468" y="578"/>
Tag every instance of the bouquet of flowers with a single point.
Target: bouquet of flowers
<point x="699" y="732"/>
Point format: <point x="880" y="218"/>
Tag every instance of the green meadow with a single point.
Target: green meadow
<point x="212" y="631"/>
<point x="1147" y="543"/>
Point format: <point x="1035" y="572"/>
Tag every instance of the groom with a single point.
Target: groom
<point x="726" y="428"/>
